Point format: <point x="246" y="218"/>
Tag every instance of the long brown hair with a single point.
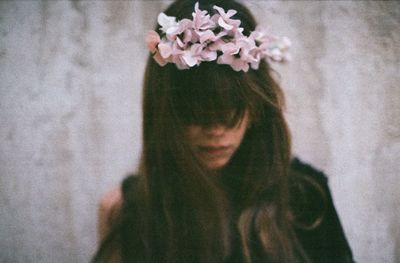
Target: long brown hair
<point x="177" y="211"/>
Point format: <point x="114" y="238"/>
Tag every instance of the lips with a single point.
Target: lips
<point x="215" y="150"/>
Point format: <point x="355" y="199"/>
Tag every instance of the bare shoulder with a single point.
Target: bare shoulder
<point x="109" y="208"/>
<point x="111" y="200"/>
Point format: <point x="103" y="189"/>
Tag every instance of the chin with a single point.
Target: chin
<point x="216" y="164"/>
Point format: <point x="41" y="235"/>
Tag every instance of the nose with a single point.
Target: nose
<point x="215" y="130"/>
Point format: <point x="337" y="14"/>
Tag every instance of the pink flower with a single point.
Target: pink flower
<point x="261" y="35"/>
<point x="165" y="49"/>
<point x="269" y="46"/>
<point x="208" y="55"/>
<point x="238" y="55"/>
<point x="197" y="54"/>
<point x="284" y="43"/>
<point x="276" y="54"/>
<point x="183" y="35"/>
<point x="201" y="20"/>
<point x="179" y="62"/>
<point x="225" y="21"/>
<point x="258" y="54"/>
<point x="278" y="50"/>
<point x="177" y="56"/>
<point x="209" y="36"/>
<point x="152" y="40"/>
<point x="159" y="59"/>
<point x="236" y="64"/>
<point x="192" y="56"/>
<point x="206" y="36"/>
<point x="187" y="43"/>
<point x="217" y="45"/>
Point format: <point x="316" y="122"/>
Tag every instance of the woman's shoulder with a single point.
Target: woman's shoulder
<point x="112" y="199"/>
<point x="129" y="184"/>
<point x="301" y="170"/>
<point x="109" y="208"/>
<point x="317" y="223"/>
<point x="308" y="186"/>
<point x="308" y="193"/>
<point x="111" y="205"/>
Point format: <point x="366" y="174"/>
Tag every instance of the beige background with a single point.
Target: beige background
<point x="70" y="94"/>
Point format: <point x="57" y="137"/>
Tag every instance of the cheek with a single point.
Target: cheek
<point x="193" y="134"/>
<point x="239" y="136"/>
<point x="241" y="131"/>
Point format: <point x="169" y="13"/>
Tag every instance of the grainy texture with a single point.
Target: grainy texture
<point x="70" y="99"/>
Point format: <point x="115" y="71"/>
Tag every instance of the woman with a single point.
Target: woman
<point x="216" y="182"/>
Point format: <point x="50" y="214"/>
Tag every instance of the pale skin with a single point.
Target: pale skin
<point x="110" y="206"/>
<point x="213" y="146"/>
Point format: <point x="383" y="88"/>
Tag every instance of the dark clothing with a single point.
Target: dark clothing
<point x="318" y="227"/>
<point x="326" y="243"/>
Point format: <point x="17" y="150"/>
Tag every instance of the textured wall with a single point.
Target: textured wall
<point x="70" y="92"/>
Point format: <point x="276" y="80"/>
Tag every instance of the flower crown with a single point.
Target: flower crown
<point x="187" y="43"/>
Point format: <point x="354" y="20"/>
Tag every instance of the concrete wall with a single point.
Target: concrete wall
<point x="70" y="89"/>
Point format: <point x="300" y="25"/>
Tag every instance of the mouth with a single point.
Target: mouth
<point x="214" y="150"/>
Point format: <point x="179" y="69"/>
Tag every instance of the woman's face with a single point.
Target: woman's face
<point x="215" y="145"/>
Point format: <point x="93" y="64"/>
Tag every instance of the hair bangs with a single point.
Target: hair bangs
<point x="211" y="94"/>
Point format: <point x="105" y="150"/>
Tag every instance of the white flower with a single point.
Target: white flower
<point x="168" y="23"/>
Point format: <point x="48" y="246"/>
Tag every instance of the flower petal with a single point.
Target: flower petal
<point x="159" y="59"/>
<point x="224" y="25"/>
<point x="166" y="22"/>
<point x="152" y="40"/>
<point x="209" y="55"/>
<point x="165" y="50"/>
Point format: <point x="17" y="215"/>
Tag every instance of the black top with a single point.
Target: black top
<point x="318" y="229"/>
<point x="326" y="243"/>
